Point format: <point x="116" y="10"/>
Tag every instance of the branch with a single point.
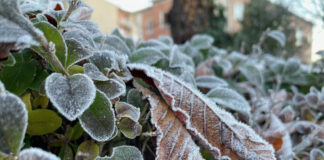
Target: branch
<point x="72" y="6"/>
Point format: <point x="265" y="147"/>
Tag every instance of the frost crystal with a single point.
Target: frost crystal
<point x="93" y="72"/>
<point x="36" y="153"/>
<point x="70" y="95"/>
<point x="112" y="88"/>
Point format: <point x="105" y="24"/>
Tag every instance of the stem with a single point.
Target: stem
<point x="72" y="6"/>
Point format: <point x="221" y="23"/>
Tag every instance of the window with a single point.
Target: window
<point x="149" y="27"/>
<point x="238" y="11"/>
<point x="299" y="37"/>
<point x="162" y="21"/>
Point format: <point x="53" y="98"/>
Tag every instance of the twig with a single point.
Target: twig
<point x="72" y="6"/>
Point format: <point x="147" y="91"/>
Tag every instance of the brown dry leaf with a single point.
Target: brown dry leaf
<point x="205" y="68"/>
<point x="173" y="140"/>
<point x="215" y="128"/>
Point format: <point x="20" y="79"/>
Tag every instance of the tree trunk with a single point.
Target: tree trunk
<point x="188" y="17"/>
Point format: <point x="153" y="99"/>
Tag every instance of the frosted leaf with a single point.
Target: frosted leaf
<point x="114" y="44"/>
<point x="13" y="122"/>
<point x="153" y="44"/>
<point x="87" y="150"/>
<point x="129" y="128"/>
<point x="71" y="96"/>
<point x="278" y="66"/>
<point x="237" y="58"/>
<point x="99" y="119"/>
<point x="205" y="68"/>
<point x="299" y="99"/>
<point x="147" y="56"/>
<point x="287" y="114"/>
<point x="55" y="38"/>
<point x="135" y="98"/>
<point x="202" y="41"/>
<point x="36" y="153"/>
<point x="130" y="43"/>
<point x="76" y="52"/>
<point x="312" y="99"/>
<point x="210" y="82"/>
<point x="215" y="128"/>
<point x="105" y="60"/>
<point x="89" y="25"/>
<point x="167" y="40"/>
<point x="83" y="12"/>
<point x="112" y="88"/>
<point x="123" y="153"/>
<point x="278" y="135"/>
<point x="189" y="78"/>
<point x="179" y="59"/>
<point x="173" y="139"/>
<point x="127" y="110"/>
<point x="230" y="99"/>
<point x="316" y="154"/>
<point x="31" y="7"/>
<point x="117" y="33"/>
<point x="81" y="37"/>
<point x="292" y="66"/>
<point x="253" y="74"/>
<point x="93" y="72"/>
<point x="278" y="36"/>
<point x="225" y="64"/>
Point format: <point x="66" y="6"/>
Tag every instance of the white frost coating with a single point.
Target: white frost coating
<point x="13" y="122"/>
<point x="147" y="55"/>
<point x="127" y="110"/>
<point x="194" y="150"/>
<point x="76" y="52"/>
<point x="226" y="118"/>
<point x="112" y="88"/>
<point x="123" y="152"/>
<point x="179" y="59"/>
<point x="202" y="41"/>
<point x="70" y="95"/>
<point x="93" y="72"/>
<point x="115" y="44"/>
<point x="229" y="99"/>
<point x="36" y="153"/>
<point x="154" y="44"/>
<point x="210" y="82"/>
<point x="101" y="127"/>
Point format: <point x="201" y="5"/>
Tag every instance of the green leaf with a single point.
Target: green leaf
<point x="75" y="132"/>
<point x="75" y="69"/>
<point x="66" y="153"/>
<point x="292" y="66"/>
<point x="26" y="99"/>
<point x="135" y="98"/>
<point x="112" y="88"/>
<point x="43" y="121"/>
<point x="10" y="62"/>
<point x="99" y="120"/>
<point x="40" y="77"/>
<point x="18" y="77"/>
<point x="278" y="36"/>
<point x="147" y="56"/>
<point x="253" y="74"/>
<point x="229" y="99"/>
<point x="128" y="117"/>
<point x="76" y="52"/>
<point x="87" y="150"/>
<point x="129" y="128"/>
<point x="13" y="122"/>
<point x="123" y="153"/>
<point x="54" y="36"/>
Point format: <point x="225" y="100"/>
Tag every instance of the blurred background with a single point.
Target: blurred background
<point x="235" y="24"/>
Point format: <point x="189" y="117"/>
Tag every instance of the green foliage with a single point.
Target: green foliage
<point x="43" y="121"/>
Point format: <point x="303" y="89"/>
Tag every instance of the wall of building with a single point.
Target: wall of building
<point x="154" y="20"/>
<point x="104" y="14"/>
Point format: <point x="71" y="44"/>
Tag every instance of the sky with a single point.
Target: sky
<point x="293" y="5"/>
